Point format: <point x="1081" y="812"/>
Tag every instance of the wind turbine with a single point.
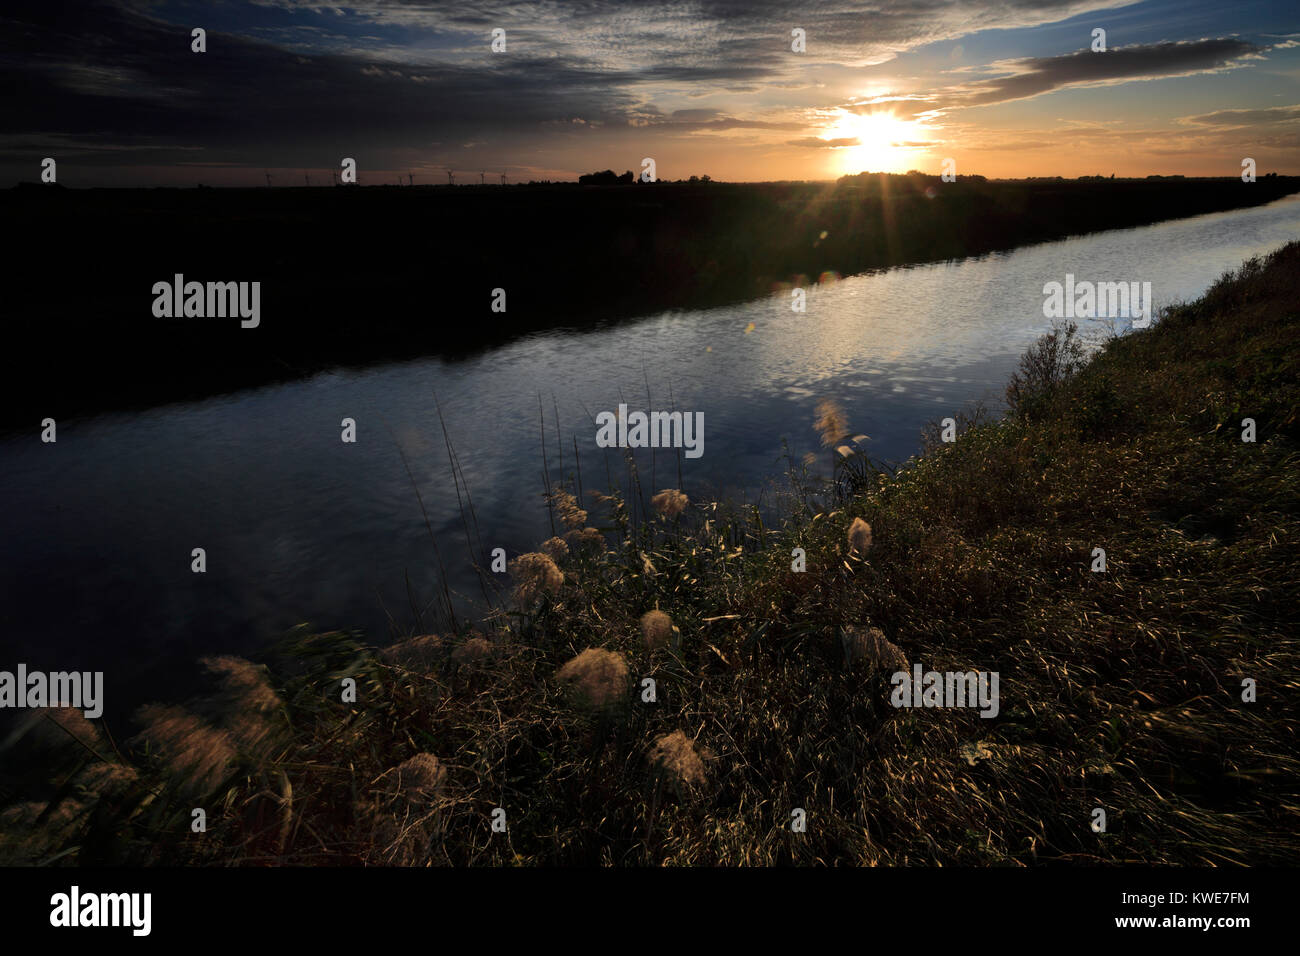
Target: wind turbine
<point x="503" y="179"/>
<point x="268" y="178"/>
<point x="451" y="178"/>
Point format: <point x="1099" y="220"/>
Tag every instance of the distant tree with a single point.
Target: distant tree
<point x="706" y="179"/>
<point x="627" y="177"/>
<point x="606" y="177"/>
<point x="694" y="179"/>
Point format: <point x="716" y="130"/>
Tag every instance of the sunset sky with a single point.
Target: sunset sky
<point x="112" y="91"/>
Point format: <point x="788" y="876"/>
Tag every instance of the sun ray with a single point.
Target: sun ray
<point x="877" y="141"/>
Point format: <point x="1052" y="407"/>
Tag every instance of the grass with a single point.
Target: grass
<point x="1120" y="690"/>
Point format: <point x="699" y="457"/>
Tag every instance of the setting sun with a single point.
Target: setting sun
<point x="879" y="146"/>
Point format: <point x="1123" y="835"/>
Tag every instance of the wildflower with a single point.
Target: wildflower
<point x="675" y="758"/>
<point x="669" y="503"/>
<point x="53" y="729"/>
<point x="535" y="574"/>
<point x="107" y="778"/>
<point x="197" y="754"/>
<point x="416" y="652"/>
<point x="555" y="548"/>
<point x="403" y="821"/>
<point x="656" y="629"/>
<point x="244" y="685"/>
<point x="870" y="644"/>
<point x="419" y="779"/>
<point x="567" y="507"/>
<point x="859" y="537"/>
<point x="831" y="423"/>
<point x="32" y="831"/>
<point x="577" y="538"/>
<point x="475" y="649"/>
<point x="596" y="677"/>
<point x="975" y="752"/>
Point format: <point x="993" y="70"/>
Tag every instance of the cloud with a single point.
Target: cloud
<point x="112" y="76"/>
<point x="1009" y="146"/>
<point x="1234" y="119"/>
<point x="640" y="35"/>
<point x="301" y="83"/>
<point x="1037" y="75"/>
<point x="815" y="143"/>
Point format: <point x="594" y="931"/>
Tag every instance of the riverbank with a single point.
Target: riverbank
<point x="1159" y="690"/>
<point x="350" y="277"/>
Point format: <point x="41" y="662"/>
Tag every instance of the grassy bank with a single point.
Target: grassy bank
<point x="353" y="276"/>
<point x="1120" y="690"/>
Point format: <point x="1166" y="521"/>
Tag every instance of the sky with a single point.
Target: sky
<point x="412" y="89"/>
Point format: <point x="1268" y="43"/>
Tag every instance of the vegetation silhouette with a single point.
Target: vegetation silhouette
<point x="355" y="275"/>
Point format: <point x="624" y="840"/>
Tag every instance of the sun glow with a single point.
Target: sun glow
<point x="878" y="142"/>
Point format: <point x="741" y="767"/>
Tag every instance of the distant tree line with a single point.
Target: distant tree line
<point x="865" y="176"/>
<point x="608" y="177"/>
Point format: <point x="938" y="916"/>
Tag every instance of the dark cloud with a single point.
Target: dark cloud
<point x="727" y="122"/>
<point x="92" y="73"/>
<point x="1035" y="76"/>
<point x="1235" y="118"/>
<point x="1038" y="75"/>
